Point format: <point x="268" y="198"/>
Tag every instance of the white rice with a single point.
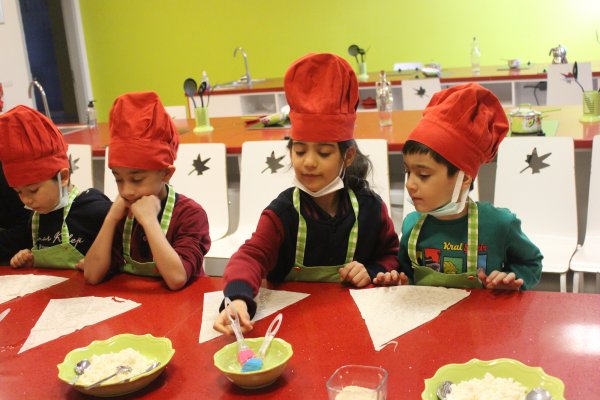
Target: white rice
<point x="103" y="365"/>
<point x="488" y="388"/>
<point x="356" y="393"/>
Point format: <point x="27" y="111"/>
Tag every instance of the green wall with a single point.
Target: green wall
<point x="136" y="45"/>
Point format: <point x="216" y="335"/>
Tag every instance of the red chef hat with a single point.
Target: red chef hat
<point x="32" y="149"/>
<point x="322" y="92"/>
<point x="142" y="134"/>
<point x="464" y="124"/>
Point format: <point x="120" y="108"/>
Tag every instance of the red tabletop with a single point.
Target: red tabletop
<point x="557" y="331"/>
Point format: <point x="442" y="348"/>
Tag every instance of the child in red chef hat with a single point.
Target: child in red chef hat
<point x="65" y="222"/>
<point x="330" y="227"/>
<point x="451" y="240"/>
<point x="150" y="230"/>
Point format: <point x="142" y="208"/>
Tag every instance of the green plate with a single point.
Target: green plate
<point x="153" y="348"/>
<point x="530" y="377"/>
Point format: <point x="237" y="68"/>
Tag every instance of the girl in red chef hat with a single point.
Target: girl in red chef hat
<point x="451" y="240"/>
<point x="65" y="222"/>
<point x="150" y="229"/>
<point x="330" y="227"/>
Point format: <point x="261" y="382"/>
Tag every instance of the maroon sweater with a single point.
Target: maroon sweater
<point x="187" y="234"/>
<point x="270" y="252"/>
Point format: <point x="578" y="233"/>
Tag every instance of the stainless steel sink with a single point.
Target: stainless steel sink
<point x="236" y="84"/>
<point x="68" y="129"/>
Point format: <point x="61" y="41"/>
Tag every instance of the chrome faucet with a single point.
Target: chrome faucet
<point x="247" y="77"/>
<point x="43" y="94"/>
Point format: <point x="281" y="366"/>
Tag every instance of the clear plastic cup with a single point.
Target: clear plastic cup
<point x="358" y="382"/>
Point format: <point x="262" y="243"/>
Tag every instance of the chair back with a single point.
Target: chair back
<point x="80" y="165"/>
<point x="176" y="112"/>
<point x="593" y="211"/>
<point x="564" y="89"/>
<point x="201" y="175"/>
<point x="379" y="177"/>
<point x="110" y="185"/>
<point x="416" y="93"/>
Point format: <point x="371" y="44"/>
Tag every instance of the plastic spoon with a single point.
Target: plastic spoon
<point x="244" y="352"/>
<point x="201" y="91"/>
<point x="190" y="87"/>
<point x="79" y="369"/>
<point x="256" y="363"/>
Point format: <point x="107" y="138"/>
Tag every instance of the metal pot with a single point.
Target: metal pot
<point x="525" y="120"/>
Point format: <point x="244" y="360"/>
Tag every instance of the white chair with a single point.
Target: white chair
<point x="587" y="258"/>
<point x="535" y="179"/>
<point x="265" y="172"/>
<point x="110" y="185"/>
<point x="379" y="178"/>
<point x="80" y="163"/>
<point x="416" y="93"/>
<point x="407" y="208"/>
<point x="176" y="112"/>
<point x="562" y="90"/>
<point x="201" y="175"/>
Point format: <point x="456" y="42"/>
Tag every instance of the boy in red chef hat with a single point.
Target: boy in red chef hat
<point x="64" y="222"/>
<point x="150" y="230"/>
<point x="451" y="240"/>
<point x="330" y="227"/>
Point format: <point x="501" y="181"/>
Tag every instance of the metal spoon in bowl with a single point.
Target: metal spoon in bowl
<point x="537" y="393"/>
<point x="120" y="368"/>
<point x="79" y="368"/>
<point x="155" y="364"/>
<point x="190" y="87"/>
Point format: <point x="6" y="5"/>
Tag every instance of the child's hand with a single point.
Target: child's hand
<point x="500" y="280"/>
<point x="79" y="265"/>
<point x="392" y="278"/>
<point x="355" y="273"/>
<point x="23" y="258"/>
<point x="146" y="209"/>
<point x="118" y="210"/>
<point x="222" y="324"/>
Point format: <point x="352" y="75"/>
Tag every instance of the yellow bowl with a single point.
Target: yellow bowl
<point x="153" y="348"/>
<point x="278" y="355"/>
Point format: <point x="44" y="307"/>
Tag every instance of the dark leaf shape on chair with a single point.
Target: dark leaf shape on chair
<point x="535" y="162"/>
<point x="199" y="165"/>
<point x="73" y="164"/>
<point x="273" y="163"/>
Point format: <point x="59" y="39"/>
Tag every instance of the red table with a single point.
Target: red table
<point x="557" y="331"/>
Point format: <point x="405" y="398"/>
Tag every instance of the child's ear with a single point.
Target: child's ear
<point x="467" y="181"/>
<point x="168" y="173"/>
<point x="349" y="156"/>
<point x="65" y="176"/>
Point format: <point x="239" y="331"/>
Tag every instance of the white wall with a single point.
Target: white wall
<point x="14" y="65"/>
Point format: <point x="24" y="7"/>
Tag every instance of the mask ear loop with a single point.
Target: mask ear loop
<point x="457" y="192"/>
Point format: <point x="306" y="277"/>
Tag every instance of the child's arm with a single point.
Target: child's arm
<point x="168" y="263"/>
<point x="99" y="256"/>
<point x="385" y="254"/>
<point x="222" y="323"/>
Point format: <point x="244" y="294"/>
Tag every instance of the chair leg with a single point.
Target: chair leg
<point x="563" y="282"/>
<point x="577" y="280"/>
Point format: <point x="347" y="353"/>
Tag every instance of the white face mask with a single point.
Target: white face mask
<point x="63" y="195"/>
<point x="336" y="184"/>
<point x="456" y="204"/>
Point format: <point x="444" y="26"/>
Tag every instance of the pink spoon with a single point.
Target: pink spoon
<point x="244" y="352"/>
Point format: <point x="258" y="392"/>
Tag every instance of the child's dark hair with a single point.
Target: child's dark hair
<point x="414" y="147"/>
<point x="356" y="174"/>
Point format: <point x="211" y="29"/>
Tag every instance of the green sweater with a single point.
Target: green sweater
<point x="502" y="245"/>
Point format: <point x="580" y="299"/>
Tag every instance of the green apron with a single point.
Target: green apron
<point x="328" y="273"/>
<point x="63" y="255"/>
<point x="428" y="277"/>
<point x="146" y="268"/>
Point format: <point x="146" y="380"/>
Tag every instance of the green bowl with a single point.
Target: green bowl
<point x="153" y="348"/>
<point x="529" y="377"/>
<point x="277" y="357"/>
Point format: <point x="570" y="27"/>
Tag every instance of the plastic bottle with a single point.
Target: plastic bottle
<point x="475" y="56"/>
<point x="91" y="114"/>
<point x="205" y="79"/>
<point x="385" y="100"/>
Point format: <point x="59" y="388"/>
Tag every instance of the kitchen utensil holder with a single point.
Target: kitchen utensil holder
<point x="202" y="120"/>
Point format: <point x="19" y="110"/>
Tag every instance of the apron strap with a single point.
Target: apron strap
<point x="472" y="237"/>
<point x="64" y="234"/>
<point x="302" y="229"/>
<point x="164" y="221"/>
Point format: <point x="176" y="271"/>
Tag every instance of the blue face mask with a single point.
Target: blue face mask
<point x="456" y="204"/>
<point x="63" y="195"/>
